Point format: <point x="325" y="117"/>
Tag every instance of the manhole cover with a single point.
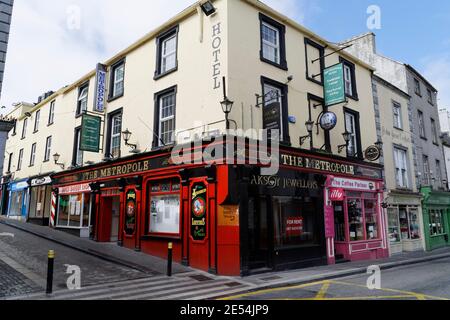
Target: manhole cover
<point x="201" y="278"/>
<point x="271" y="278"/>
<point x="233" y="284"/>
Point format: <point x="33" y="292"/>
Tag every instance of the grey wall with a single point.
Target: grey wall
<point x="5" y="21"/>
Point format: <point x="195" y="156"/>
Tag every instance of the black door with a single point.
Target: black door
<point x="260" y="234"/>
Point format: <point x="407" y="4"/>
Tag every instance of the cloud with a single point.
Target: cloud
<point x="53" y="43"/>
<point x="435" y="70"/>
<point x="298" y="10"/>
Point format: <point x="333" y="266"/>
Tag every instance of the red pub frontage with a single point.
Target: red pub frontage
<point x="229" y="219"/>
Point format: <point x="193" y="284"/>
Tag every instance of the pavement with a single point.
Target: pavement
<point x="205" y="286"/>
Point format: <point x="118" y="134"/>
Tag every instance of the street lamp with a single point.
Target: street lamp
<point x="126" y="136"/>
<point x="56" y="157"/>
<point x="309" y="127"/>
<point x="347" y="137"/>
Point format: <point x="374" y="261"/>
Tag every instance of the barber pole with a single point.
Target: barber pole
<point x="53" y="212"/>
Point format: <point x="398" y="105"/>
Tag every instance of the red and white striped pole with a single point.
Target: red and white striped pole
<point x="53" y="211"/>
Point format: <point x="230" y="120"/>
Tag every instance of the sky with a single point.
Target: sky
<point x="54" y="43"/>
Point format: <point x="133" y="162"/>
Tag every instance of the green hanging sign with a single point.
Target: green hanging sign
<point x="334" y="85"/>
<point x="90" y="133"/>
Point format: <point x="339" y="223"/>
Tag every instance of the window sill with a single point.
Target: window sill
<point x="418" y="94"/>
<point x="278" y="65"/>
<point x="399" y="129"/>
<point x="50" y="124"/>
<point x="424" y="138"/>
<point x="111" y="99"/>
<point x="45" y="161"/>
<point x="355" y="98"/>
<point x="320" y="83"/>
<point x="160" y="236"/>
<point x="436" y="144"/>
<point x="36" y="131"/>
<point x="162" y="75"/>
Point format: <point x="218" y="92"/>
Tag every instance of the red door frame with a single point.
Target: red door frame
<point x="102" y="223"/>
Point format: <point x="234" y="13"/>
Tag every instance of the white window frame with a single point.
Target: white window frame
<point x="353" y="143"/>
<point x="48" y="148"/>
<point x="348" y="74"/>
<point x="398" y="118"/>
<point x="118" y="80"/>
<point x="166" y="119"/>
<point x="115" y="135"/>
<point x="83" y="100"/>
<point x="166" y="55"/>
<point x="79" y="154"/>
<point x="33" y="154"/>
<point x="434" y="131"/>
<point x="276" y="46"/>
<point x="438" y="174"/>
<point x="24" y="128"/>
<point x="51" y="113"/>
<point x="37" y="120"/>
<point x="401" y="167"/>
<point x="421" y="118"/>
<point x="426" y="170"/>
<point x="20" y="160"/>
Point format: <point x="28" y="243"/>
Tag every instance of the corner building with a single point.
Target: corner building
<point x="322" y="206"/>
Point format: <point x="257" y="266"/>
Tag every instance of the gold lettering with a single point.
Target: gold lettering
<point x="146" y="165"/>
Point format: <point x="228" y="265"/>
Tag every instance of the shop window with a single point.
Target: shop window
<point x="355" y="217"/>
<point x="339" y="222"/>
<point x="16" y="204"/>
<point x="295" y="222"/>
<point x="437" y="222"/>
<point x="164" y="211"/>
<point x="394" y="225"/>
<point x="40" y="202"/>
<point x="73" y="210"/>
<point x="370" y="210"/>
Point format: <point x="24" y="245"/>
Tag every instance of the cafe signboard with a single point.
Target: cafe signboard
<point x="90" y="133"/>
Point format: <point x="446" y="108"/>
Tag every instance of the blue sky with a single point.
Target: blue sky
<point x="45" y="54"/>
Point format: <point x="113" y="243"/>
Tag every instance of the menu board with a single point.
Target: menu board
<point x="199" y="212"/>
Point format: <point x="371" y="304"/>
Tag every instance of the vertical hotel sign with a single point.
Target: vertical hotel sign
<point x="100" y="88"/>
<point x="90" y="133"/>
<point x="334" y="85"/>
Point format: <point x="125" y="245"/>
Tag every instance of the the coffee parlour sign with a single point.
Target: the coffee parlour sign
<point x="316" y="164"/>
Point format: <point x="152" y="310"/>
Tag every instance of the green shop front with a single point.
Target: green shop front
<point x="436" y="217"/>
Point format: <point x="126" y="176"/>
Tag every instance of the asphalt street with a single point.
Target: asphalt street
<point x="425" y="281"/>
<point x="23" y="265"/>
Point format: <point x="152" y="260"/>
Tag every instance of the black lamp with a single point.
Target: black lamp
<point x="309" y="127"/>
<point x="126" y="136"/>
<point x="208" y="8"/>
<point x="56" y="157"/>
<point x="347" y="137"/>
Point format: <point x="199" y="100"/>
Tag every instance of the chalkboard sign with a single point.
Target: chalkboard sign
<point x="272" y="116"/>
<point x="199" y="212"/>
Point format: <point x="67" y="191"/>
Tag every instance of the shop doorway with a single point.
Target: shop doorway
<point x="259" y="234"/>
<point x="109" y="219"/>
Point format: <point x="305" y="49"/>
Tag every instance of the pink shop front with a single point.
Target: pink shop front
<point x="355" y="226"/>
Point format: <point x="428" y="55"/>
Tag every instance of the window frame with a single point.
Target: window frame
<point x="10" y="160"/>
<point x="397" y="106"/>
<point x="20" y="160"/>
<point x="81" y="88"/>
<point x="309" y="42"/>
<point x="51" y="113"/>
<point x="355" y="114"/>
<point x="174" y="31"/>
<point x="434" y="131"/>
<point x="430" y="96"/>
<point x="157" y="110"/>
<point x="417" y="87"/>
<point x="48" y="148"/>
<point x="282" y="41"/>
<point x="76" y="148"/>
<point x="439" y="176"/>
<point x="24" y="128"/>
<point x="426" y="178"/>
<point x="406" y="175"/>
<point x="33" y="154"/>
<point x="109" y="135"/>
<point x="37" y="120"/>
<point x="352" y="68"/>
<point x="149" y="194"/>
<point x="112" y="81"/>
<point x="421" y="121"/>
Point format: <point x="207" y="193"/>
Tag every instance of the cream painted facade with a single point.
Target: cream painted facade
<point x="226" y="44"/>
<point x="402" y="196"/>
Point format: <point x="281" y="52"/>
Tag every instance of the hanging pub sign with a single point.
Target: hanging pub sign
<point x="90" y="133"/>
<point x="130" y="214"/>
<point x="100" y="88"/>
<point x="328" y="121"/>
<point x="199" y="212"/>
<point x="334" y="85"/>
<point x="272" y="116"/>
<point x="372" y="153"/>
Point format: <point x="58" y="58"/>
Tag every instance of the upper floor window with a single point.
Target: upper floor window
<point x="426" y="171"/>
<point x="417" y="88"/>
<point x="19" y="162"/>
<point x="51" y="113"/>
<point x="167" y="47"/>
<point x="165" y="110"/>
<point x="421" y="125"/>
<point x="82" y="99"/>
<point x="439" y="183"/>
<point x="24" y="128"/>
<point x="401" y="168"/>
<point x="36" y="120"/>
<point x="397" y="109"/>
<point x="10" y="162"/>
<point x="33" y="155"/>
<point x="350" y="79"/>
<point x="434" y="131"/>
<point x="273" y="48"/>
<point x="430" y="96"/>
<point x="117" y="80"/>
<point x="115" y="134"/>
<point x="48" y="149"/>
<point x="14" y="132"/>
<point x="352" y="127"/>
<point x="314" y="61"/>
<point x="77" y="160"/>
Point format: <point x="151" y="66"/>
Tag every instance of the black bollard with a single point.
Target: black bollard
<point x="51" y="260"/>
<point x="169" y="260"/>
